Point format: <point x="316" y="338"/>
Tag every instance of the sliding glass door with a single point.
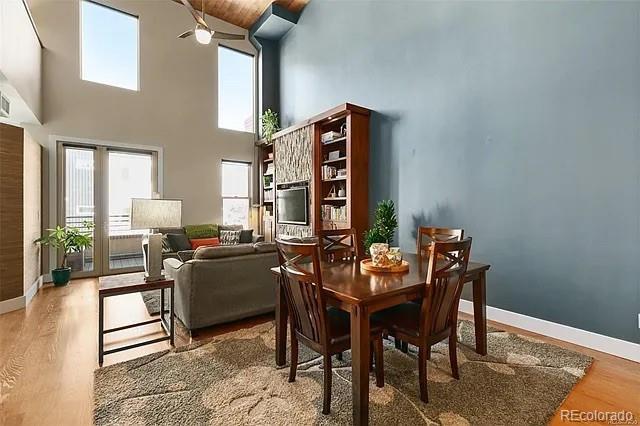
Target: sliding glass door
<point x="99" y="183"/>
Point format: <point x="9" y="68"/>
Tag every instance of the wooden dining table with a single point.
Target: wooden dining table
<point x="362" y="293"/>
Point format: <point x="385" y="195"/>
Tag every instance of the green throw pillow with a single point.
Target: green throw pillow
<point x="201" y="231"/>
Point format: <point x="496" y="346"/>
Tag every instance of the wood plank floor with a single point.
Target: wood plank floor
<point x="48" y="353"/>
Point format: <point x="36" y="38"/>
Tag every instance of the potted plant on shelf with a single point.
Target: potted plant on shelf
<point x="68" y="239"/>
<point x="270" y="125"/>
<point x="384" y="225"/>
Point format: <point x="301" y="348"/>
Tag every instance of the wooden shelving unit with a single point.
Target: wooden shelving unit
<point x="267" y="191"/>
<point x="336" y="202"/>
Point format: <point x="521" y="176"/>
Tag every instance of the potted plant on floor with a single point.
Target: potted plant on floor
<point x="68" y="239"/>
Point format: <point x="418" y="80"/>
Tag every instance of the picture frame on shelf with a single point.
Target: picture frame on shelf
<point x="333" y="155"/>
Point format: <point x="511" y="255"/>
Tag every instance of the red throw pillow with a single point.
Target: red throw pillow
<point x="204" y="242"/>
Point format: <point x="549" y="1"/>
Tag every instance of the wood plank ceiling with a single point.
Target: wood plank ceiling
<point x="243" y="13"/>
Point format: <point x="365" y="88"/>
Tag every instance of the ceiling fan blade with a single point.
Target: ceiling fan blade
<point x="186" y="34"/>
<point x="195" y="15"/>
<point x="227" y="36"/>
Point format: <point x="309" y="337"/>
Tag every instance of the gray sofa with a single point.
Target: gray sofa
<point x="185" y="255"/>
<point x="223" y="283"/>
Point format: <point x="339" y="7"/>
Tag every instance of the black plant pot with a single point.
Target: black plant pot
<point x="61" y="276"/>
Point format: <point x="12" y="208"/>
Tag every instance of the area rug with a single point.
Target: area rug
<point x="233" y="379"/>
<point x="151" y="300"/>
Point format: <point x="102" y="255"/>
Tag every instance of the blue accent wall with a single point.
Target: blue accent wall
<point x="519" y="122"/>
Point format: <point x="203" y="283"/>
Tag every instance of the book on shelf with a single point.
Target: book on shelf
<point x="269" y="170"/>
<point x="268" y="194"/>
<point x="329" y="136"/>
<point x="334" y="213"/>
<point x="329" y="172"/>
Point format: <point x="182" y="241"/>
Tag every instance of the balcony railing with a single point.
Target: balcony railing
<point x="119" y="224"/>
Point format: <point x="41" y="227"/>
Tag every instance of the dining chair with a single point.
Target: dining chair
<point x="339" y="244"/>
<point x="427" y="235"/>
<point x="435" y="319"/>
<point x="326" y="331"/>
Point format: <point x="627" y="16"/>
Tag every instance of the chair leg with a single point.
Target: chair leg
<point x="405" y="347"/>
<point x="339" y="356"/>
<point x="453" y="355"/>
<point x="422" y="374"/>
<point x="398" y="343"/>
<point x="326" y="403"/>
<point x="428" y="352"/>
<point x="379" y="350"/>
<point x="371" y="350"/>
<point x="294" y="357"/>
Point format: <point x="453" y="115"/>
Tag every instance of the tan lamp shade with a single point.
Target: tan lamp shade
<point x="155" y="213"/>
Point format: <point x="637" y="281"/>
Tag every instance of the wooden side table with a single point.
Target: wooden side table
<point x="115" y="285"/>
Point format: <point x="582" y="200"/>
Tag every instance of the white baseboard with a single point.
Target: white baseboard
<point x="33" y="290"/>
<point x="12" y="304"/>
<point x="588" y="339"/>
<point x="21" y="301"/>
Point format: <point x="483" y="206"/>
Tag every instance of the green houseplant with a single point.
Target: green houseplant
<point x="270" y="125"/>
<point x="68" y="239"/>
<point x="384" y="225"/>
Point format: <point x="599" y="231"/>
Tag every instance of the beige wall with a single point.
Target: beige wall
<point x="20" y="62"/>
<point x="176" y="107"/>
<point x="32" y="201"/>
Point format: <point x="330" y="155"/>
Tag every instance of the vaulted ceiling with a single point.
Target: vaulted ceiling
<point x="243" y="13"/>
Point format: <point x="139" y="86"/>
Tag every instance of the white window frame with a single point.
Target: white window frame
<point x="249" y="166"/>
<point x="253" y="89"/>
<point x="137" y="89"/>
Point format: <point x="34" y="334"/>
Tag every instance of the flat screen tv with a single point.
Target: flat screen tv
<point x="293" y="205"/>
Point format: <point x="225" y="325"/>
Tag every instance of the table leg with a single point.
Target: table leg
<point x="360" y="337"/>
<point x="162" y="306"/>
<point x="100" y="329"/>
<point x="281" y="325"/>
<point x="480" y="313"/>
<point x="171" y="316"/>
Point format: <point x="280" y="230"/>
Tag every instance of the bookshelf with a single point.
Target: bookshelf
<point x="339" y="177"/>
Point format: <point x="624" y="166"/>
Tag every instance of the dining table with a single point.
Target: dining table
<point x="360" y="292"/>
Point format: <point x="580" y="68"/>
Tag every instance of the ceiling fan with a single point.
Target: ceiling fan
<point x="202" y="31"/>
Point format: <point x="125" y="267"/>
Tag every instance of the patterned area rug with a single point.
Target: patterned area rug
<point x="232" y="379"/>
<point x="151" y="300"/>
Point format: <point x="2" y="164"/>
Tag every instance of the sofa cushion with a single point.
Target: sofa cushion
<point x="246" y="236"/>
<point x="201" y="231"/>
<point x="263" y="247"/>
<point x="186" y="255"/>
<point x="223" y="251"/>
<point x="229" y="238"/>
<point x="178" y="242"/>
<point x="204" y="242"/>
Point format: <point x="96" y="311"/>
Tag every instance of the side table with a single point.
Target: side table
<point x="114" y="285"/>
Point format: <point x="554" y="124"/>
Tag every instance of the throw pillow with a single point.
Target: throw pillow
<point x="230" y="238"/>
<point x="204" y="242"/>
<point x="201" y="231"/>
<point x="246" y="236"/>
<point x="178" y="242"/>
<point x="166" y="247"/>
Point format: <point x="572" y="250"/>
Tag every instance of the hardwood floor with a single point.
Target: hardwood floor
<point x="48" y="353"/>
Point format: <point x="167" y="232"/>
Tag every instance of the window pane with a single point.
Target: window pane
<point x="109" y="46"/>
<point x="235" y="211"/>
<point x="235" y="90"/>
<point x="235" y="179"/>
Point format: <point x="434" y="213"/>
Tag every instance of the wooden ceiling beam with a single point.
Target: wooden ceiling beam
<point x="243" y="13"/>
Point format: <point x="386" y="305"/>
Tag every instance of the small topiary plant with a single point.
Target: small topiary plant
<point x="384" y="225"/>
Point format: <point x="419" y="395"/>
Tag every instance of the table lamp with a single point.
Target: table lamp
<point x="152" y="214"/>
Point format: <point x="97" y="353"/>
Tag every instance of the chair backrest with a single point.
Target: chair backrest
<point x="302" y="282"/>
<point x="427" y="235"/>
<point x="445" y="276"/>
<point x="339" y="244"/>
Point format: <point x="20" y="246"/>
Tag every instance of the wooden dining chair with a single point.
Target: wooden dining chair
<point x="326" y="331"/>
<point x="427" y="235"/>
<point x="435" y="319"/>
<point x="339" y="244"/>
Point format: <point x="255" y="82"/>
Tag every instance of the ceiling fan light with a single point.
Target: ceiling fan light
<point x="203" y="35"/>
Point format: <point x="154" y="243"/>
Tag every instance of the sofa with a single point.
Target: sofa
<point x="224" y="283"/>
<point x="169" y="252"/>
